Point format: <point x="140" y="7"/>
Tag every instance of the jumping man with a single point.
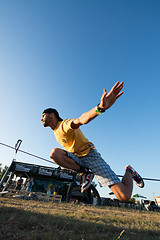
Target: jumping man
<point x="79" y="153"/>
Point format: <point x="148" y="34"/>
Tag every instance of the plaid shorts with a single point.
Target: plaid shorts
<point x="94" y="162"/>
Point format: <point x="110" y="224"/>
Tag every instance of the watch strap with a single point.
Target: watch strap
<point x="99" y="110"/>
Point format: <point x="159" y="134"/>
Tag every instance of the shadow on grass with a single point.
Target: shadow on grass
<point x="17" y="224"/>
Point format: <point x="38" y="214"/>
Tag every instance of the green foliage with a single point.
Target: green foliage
<point x="2" y="170"/>
<point x="132" y="200"/>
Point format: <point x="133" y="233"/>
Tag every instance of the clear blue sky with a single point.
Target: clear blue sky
<point x="62" y="54"/>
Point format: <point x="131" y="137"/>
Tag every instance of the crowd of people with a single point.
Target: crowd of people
<point x="30" y="184"/>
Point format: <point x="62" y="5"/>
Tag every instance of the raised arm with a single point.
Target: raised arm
<point x="107" y="100"/>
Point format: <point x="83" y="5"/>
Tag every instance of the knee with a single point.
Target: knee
<point x="54" y="153"/>
<point x="57" y="155"/>
<point x="122" y="197"/>
<point x="121" y="192"/>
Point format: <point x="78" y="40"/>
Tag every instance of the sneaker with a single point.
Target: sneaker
<point x="136" y="177"/>
<point x="87" y="180"/>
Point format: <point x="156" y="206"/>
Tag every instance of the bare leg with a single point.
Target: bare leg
<point x="123" y="190"/>
<point x="59" y="157"/>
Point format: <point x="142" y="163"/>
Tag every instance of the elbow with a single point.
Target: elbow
<point x="83" y="121"/>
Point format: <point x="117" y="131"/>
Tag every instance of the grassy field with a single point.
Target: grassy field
<point x="34" y="220"/>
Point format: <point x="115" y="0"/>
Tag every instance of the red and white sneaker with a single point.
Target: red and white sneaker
<point x="87" y="180"/>
<point x="136" y="177"/>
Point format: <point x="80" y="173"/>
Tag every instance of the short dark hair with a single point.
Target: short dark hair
<point x="52" y="110"/>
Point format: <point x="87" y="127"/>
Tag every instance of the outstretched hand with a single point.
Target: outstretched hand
<point x="107" y="100"/>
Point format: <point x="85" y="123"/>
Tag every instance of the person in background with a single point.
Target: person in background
<point x="19" y="183"/>
<point x="30" y="185"/>
<point x="56" y="189"/>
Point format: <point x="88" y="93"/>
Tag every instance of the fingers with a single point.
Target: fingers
<point x="119" y="95"/>
<point x="117" y="88"/>
<point x="117" y="85"/>
<point x="104" y="94"/>
<point x="103" y="97"/>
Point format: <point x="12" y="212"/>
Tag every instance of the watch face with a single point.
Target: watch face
<point x="101" y="110"/>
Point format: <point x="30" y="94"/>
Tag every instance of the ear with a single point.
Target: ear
<point x="52" y="114"/>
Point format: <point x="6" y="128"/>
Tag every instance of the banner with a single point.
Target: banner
<point x="32" y="170"/>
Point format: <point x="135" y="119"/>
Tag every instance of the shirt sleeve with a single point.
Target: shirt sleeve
<point x="66" y="125"/>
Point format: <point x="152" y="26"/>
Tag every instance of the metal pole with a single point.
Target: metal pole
<point x="9" y="178"/>
<point x="18" y="145"/>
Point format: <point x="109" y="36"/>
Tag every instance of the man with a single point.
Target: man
<point x="19" y="183"/>
<point x="30" y="185"/>
<point x="79" y="153"/>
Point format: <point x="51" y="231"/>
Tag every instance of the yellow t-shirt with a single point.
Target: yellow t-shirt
<point x="72" y="140"/>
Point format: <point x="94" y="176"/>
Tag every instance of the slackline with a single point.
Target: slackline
<point x="43" y="159"/>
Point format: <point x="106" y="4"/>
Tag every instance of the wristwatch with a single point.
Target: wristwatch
<point x="99" y="110"/>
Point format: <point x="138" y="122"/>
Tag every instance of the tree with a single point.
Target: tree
<point x="2" y="170"/>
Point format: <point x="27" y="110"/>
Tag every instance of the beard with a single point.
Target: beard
<point x="46" y="121"/>
<point x="46" y="124"/>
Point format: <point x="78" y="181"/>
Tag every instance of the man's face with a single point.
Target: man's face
<point x="46" y="119"/>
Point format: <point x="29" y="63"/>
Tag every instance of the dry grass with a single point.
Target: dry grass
<point x="34" y="220"/>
